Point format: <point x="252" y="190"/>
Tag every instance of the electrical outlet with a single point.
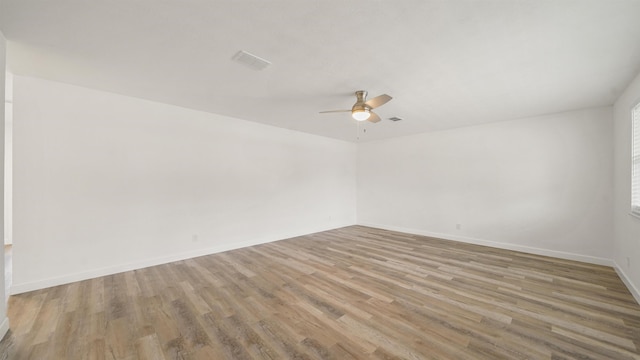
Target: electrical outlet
<point x="458" y="226"/>
<point x="194" y="238"/>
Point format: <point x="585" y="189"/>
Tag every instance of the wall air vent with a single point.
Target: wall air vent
<point x="395" y="118"/>
<point x="250" y="60"/>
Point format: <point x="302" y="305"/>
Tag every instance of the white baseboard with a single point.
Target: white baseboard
<point x="4" y="327"/>
<point x="625" y="279"/>
<point x="495" y="244"/>
<point x="110" y="270"/>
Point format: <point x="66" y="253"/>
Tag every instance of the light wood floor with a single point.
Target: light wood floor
<point x="352" y="293"/>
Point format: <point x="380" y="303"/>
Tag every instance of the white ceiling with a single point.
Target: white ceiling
<point x="446" y="63"/>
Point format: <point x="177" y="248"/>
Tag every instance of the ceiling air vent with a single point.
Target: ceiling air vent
<point x="250" y="60"/>
<point x="395" y="118"/>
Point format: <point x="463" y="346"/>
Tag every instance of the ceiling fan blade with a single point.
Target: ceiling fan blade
<point x="373" y="117"/>
<point x="378" y="101"/>
<point x="334" y="111"/>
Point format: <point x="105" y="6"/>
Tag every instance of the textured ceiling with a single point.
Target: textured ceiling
<point x="446" y="63"/>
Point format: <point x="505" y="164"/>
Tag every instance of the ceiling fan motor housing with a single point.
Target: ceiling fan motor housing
<point x="361" y="96"/>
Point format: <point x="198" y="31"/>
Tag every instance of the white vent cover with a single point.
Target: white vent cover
<point x="250" y="60"/>
<point x="395" y="118"/>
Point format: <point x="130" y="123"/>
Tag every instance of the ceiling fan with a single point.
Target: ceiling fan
<point x="361" y="110"/>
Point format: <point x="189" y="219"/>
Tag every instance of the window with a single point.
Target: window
<point x="635" y="161"/>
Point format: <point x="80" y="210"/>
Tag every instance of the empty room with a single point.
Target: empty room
<point x="243" y="179"/>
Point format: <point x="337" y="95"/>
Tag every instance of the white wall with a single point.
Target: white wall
<point x="541" y="185"/>
<point x="105" y="183"/>
<point x="626" y="227"/>
<point x="4" y="321"/>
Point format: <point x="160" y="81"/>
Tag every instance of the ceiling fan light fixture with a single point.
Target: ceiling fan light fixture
<point x="360" y="113"/>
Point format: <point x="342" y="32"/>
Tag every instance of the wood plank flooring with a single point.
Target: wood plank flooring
<point x="351" y="293"/>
